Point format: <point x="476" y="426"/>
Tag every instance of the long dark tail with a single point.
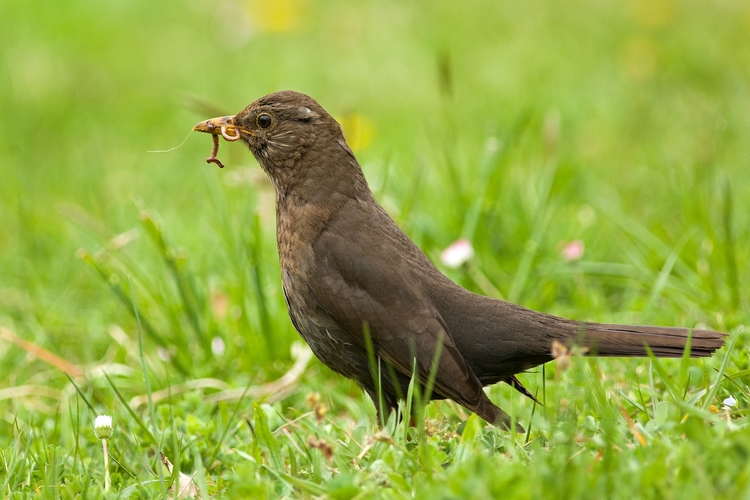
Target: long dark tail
<point x="664" y="342"/>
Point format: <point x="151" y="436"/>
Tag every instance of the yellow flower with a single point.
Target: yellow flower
<point x="652" y="13"/>
<point x="276" y="16"/>
<point x="639" y="58"/>
<point x="358" y="130"/>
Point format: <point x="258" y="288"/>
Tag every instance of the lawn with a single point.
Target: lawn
<point x="136" y="281"/>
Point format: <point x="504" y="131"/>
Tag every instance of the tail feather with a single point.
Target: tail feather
<point x="664" y="342"/>
<point x="517" y="385"/>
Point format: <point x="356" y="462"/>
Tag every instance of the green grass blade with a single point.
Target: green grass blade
<point x="147" y="383"/>
<point x="722" y="369"/>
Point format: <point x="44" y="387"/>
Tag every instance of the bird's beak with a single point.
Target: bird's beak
<point x="214" y="125"/>
<point x="223" y="126"/>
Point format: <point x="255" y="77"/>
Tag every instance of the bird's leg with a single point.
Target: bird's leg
<point x="215" y="150"/>
<point x="389" y="405"/>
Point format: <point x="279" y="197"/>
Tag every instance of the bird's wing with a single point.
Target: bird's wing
<point x="380" y="289"/>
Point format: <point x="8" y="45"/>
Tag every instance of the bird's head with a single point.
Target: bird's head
<point x="278" y="128"/>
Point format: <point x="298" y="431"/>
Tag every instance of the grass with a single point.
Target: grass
<point x="146" y="286"/>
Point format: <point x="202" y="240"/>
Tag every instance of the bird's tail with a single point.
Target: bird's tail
<point x="663" y="342"/>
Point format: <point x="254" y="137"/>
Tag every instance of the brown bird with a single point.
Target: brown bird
<point x="348" y="270"/>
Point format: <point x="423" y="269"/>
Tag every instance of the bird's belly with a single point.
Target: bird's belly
<point x="336" y="350"/>
<point x="332" y="346"/>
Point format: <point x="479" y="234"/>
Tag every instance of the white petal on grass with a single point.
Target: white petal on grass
<point x="103" y="431"/>
<point x="163" y="353"/>
<point x="217" y="346"/>
<point x="729" y="402"/>
<point x="103" y="426"/>
<point x="457" y="253"/>
<point x="573" y="250"/>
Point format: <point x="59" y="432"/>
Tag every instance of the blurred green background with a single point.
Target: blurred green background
<point x="645" y="104"/>
<point x="519" y="125"/>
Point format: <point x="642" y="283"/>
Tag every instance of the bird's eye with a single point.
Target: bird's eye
<point x="264" y="120"/>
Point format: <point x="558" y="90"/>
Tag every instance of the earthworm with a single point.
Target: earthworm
<point x="215" y="138"/>
<point x="215" y="150"/>
<point x="230" y="138"/>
